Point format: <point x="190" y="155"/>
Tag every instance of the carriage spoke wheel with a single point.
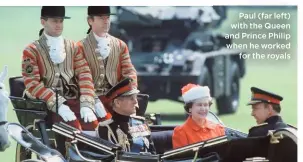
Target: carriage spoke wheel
<point x="21" y="152"/>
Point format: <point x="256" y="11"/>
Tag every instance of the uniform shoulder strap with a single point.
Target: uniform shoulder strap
<point x="106" y="122"/>
<point x="138" y="117"/>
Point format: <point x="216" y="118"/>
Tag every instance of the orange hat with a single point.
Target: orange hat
<point x="123" y="88"/>
<point x="191" y="92"/>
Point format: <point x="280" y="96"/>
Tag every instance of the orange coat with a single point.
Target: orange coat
<point x="190" y="132"/>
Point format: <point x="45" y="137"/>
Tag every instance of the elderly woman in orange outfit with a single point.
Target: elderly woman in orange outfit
<point x="196" y="128"/>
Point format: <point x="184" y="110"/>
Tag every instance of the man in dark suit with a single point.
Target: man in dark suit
<point x="266" y="110"/>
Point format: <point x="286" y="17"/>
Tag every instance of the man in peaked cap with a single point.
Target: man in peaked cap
<point x="53" y="62"/>
<point x="126" y="129"/>
<point x="107" y="56"/>
<point x="265" y="109"/>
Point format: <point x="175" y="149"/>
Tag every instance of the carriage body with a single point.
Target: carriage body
<point x="26" y="109"/>
<point x="33" y="116"/>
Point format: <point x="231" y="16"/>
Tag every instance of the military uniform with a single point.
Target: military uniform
<point x="131" y="132"/>
<point x="271" y="123"/>
<point x="71" y="77"/>
<point x="107" y="72"/>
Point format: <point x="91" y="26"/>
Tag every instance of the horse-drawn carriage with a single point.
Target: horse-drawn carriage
<point x="36" y="135"/>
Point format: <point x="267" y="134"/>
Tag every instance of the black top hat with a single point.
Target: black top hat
<point x="99" y="10"/>
<point x="123" y="88"/>
<point x="53" y="12"/>
<point x="259" y="95"/>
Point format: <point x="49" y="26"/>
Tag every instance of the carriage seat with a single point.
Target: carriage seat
<point x="16" y="85"/>
<point x="142" y="102"/>
<point x="162" y="141"/>
<point x="27" y="109"/>
<point x="17" y="88"/>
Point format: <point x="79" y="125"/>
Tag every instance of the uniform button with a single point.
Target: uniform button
<point x="57" y="74"/>
<point x="99" y="83"/>
<point x="102" y="75"/>
<point x="102" y="67"/>
<point x="82" y="99"/>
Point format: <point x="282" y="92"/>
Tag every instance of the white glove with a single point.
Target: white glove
<point x="65" y="112"/>
<point x="88" y="114"/>
<point x="100" y="110"/>
<point x="4" y="100"/>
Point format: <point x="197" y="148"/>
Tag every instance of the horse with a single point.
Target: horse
<point x="4" y="100"/>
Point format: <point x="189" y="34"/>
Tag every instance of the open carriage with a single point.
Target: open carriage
<point x="33" y="115"/>
<point x="37" y="135"/>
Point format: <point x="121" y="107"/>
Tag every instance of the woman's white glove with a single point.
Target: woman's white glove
<point x="87" y="114"/>
<point x="65" y="112"/>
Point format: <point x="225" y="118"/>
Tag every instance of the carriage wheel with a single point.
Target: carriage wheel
<point x="21" y="152"/>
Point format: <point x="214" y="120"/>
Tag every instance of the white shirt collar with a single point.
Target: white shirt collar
<point x="100" y="38"/>
<point x="52" y="39"/>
